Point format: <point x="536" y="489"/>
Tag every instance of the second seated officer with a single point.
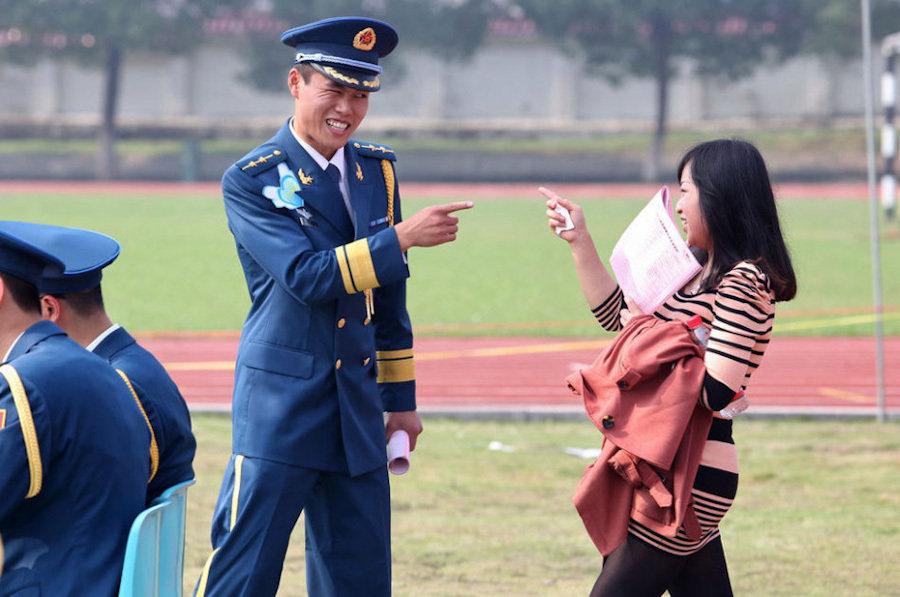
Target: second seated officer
<point x="74" y="446"/>
<point x="326" y="348"/>
<point x="73" y="300"/>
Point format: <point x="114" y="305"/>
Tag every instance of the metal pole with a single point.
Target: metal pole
<point x="890" y="46"/>
<point x="873" y="207"/>
<point x="888" y="130"/>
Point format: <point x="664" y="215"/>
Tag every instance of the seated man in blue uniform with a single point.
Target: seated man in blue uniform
<point x="73" y="300"/>
<point x="74" y="446"/>
<point x="326" y="348"/>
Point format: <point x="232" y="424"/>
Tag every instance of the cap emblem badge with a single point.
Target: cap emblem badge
<point x="365" y="39"/>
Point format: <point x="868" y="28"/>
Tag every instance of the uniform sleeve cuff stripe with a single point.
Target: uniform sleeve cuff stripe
<point x="344" y="266"/>
<point x="362" y="269"/>
<point x="396" y="371"/>
<point x="389" y="355"/>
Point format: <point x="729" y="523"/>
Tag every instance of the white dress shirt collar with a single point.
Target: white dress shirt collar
<point x="337" y="159"/>
<point x="11" y="346"/>
<point x="96" y="341"/>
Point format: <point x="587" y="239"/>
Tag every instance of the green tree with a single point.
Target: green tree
<point x="835" y="28"/>
<point x="834" y="35"/>
<point x="644" y="38"/>
<point x="100" y="33"/>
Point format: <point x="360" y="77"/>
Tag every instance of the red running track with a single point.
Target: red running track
<point x="524" y="376"/>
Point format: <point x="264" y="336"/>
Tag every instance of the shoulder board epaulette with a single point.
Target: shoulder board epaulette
<point x="374" y="150"/>
<point x="261" y="160"/>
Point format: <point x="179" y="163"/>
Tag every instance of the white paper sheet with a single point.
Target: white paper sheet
<point x="650" y="260"/>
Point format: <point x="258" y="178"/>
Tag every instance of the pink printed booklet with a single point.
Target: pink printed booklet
<point x="651" y="261"/>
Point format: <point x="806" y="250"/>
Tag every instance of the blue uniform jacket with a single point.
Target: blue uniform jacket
<point x="308" y="391"/>
<point x="163" y="403"/>
<point x="69" y="538"/>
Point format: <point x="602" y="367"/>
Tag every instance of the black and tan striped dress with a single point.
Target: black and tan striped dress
<point x="739" y="315"/>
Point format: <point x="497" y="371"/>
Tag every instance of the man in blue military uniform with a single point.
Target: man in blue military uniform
<point x="73" y="300"/>
<point x="327" y="345"/>
<point x="74" y="446"/>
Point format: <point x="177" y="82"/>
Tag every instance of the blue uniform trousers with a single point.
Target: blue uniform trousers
<point x="348" y="521"/>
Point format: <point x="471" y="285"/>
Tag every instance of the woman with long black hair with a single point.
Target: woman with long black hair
<point x="728" y="212"/>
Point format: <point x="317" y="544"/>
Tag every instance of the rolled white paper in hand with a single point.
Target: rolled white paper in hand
<point x="569" y="225"/>
<point x="398" y="452"/>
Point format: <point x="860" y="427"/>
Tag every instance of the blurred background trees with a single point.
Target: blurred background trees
<point x="720" y="40"/>
<point x="100" y="33"/>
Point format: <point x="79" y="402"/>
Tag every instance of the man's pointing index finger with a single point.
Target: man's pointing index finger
<point x="451" y="207"/>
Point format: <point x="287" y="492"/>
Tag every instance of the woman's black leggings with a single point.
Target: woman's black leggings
<point x="636" y="569"/>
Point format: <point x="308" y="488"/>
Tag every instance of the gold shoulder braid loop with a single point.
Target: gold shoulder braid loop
<point x="26" y="422"/>
<point x="388" y="171"/>
<point x="389" y="184"/>
<point x="154" y="448"/>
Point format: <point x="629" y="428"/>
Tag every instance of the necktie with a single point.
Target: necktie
<point x="333" y="172"/>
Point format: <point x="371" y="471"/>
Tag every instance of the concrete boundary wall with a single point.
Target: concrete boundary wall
<point x="510" y="80"/>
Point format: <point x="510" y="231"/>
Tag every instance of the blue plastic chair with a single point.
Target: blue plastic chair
<point x="174" y="522"/>
<point x="154" y="554"/>
<point x="141" y="572"/>
<point x="176" y="492"/>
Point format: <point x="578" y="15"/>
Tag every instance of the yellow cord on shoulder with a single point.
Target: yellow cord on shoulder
<point x="154" y="448"/>
<point x="390" y="184"/>
<point x="29" y="434"/>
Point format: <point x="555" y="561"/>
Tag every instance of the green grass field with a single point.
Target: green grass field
<point x="816" y="513"/>
<point x="506" y="273"/>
